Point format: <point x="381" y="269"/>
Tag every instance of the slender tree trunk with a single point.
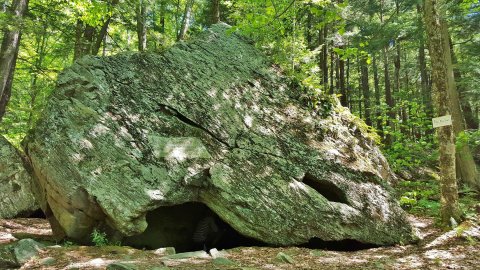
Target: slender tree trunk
<point x="422" y="63"/>
<point x="88" y="39"/>
<point x="40" y="51"/>
<point x="308" y="28"/>
<point x="378" y="111"/>
<point x="332" y="68"/>
<point x="470" y="121"/>
<point x="388" y="98"/>
<point x="214" y="11"/>
<point x="186" y="20"/>
<point x="100" y="37"/>
<point x="323" y="57"/>
<point x="141" y="11"/>
<point x="388" y="91"/>
<point x="438" y="54"/>
<point x="366" y="90"/>
<point x="341" y="82"/>
<point x="9" y="53"/>
<point x="77" y="51"/>
<point x="162" y="16"/>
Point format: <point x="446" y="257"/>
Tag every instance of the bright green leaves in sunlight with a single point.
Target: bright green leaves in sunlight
<point x="91" y="12"/>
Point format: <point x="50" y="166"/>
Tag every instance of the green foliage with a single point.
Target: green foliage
<point x="99" y="238"/>
<point x="67" y="243"/>
<point x="469" y="137"/>
<point x="420" y="197"/>
<point x="406" y="154"/>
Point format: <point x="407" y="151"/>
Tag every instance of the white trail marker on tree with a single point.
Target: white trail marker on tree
<point x="441" y="121"/>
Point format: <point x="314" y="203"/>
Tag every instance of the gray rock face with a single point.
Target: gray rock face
<point x="209" y="121"/>
<point x="25" y="249"/>
<point x="16" y="197"/>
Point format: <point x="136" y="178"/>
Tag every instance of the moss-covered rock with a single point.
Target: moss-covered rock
<point x="207" y="121"/>
<point x="17" y="198"/>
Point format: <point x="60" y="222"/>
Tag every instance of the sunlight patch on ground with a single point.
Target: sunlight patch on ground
<point x="6" y="238"/>
<point x="98" y="262"/>
<point x="442" y="254"/>
<point x="411" y="262"/>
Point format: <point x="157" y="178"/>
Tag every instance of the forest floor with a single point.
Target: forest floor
<point x="457" y="249"/>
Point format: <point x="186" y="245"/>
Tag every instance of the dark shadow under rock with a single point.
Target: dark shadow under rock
<point x="177" y="226"/>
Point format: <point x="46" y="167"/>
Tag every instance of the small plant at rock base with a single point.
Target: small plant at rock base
<point x="99" y="238"/>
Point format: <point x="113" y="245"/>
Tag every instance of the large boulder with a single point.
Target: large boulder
<point x="16" y="198"/>
<point x="207" y="122"/>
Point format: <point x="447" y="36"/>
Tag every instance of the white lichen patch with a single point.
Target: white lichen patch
<point x="248" y="121"/>
<point x="99" y="130"/>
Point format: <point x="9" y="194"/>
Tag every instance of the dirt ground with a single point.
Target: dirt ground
<point x="457" y="249"/>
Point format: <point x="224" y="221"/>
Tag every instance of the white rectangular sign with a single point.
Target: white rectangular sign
<point x="442" y="121"/>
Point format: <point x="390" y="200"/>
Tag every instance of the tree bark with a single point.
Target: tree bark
<point x="323" y="59"/>
<point x="467" y="171"/>
<point x="9" y="53"/>
<point x="141" y="10"/>
<point x="440" y="75"/>
<point x="332" y="68"/>
<point x="341" y="82"/>
<point x="376" y="83"/>
<point x="214" y="11"/>
<point x="365" y="90"/>
<point x="422" y="63"/>
<point x="388" y="99"/>
<point x="186" y="20"/>
<point x="470" y="121"/>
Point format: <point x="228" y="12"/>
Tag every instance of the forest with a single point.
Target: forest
<point x="394" y="64"/>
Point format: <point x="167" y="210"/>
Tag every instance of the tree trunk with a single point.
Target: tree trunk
<point x="9" y="53"/>
<point x="438" y="55"/>
<point x="378" y="111"/>
<point x="388" y="99"/>
<point x="322" y="40"/>
<point x="77" y="51"/>
<point x="470" y="121"/>
<point x="341" y="81"/>
<point x="422" y="63"/>
<point x="162" y="16"/>
<point x="141" y="11"/>
<point x="214" y="11"/>
<point x="365" y="90"/>
<point x="186" y="20"/>
<point x="332" y="68"/>
<point x="466" y="167"/>
<point x="88" y="39"/>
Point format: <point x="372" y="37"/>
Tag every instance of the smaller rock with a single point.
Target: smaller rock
<point x="48" y="261"/>
<point x="284" y="258"/>
<point x="7" y="258"/>
<point x="26" y="249"/>
<point x="165" y="251"/>
<point x="121" y="266"/>
<point x="223" y="261"/>
<point x="217" y="254"/>
<point x="186" y="255"/>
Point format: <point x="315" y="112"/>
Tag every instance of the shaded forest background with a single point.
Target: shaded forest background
<point x="371" y="54"/>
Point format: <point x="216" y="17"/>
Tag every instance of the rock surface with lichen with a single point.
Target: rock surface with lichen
<point x="208" y="121"/>
<point x="16" y="197"/>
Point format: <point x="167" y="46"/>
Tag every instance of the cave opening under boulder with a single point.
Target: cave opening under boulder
<point x="188" y="227"/>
